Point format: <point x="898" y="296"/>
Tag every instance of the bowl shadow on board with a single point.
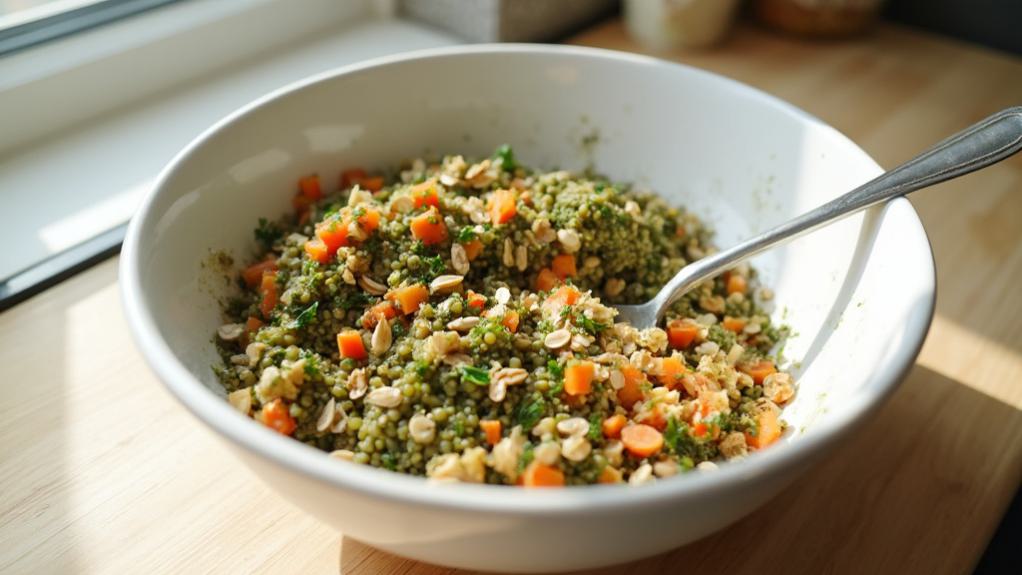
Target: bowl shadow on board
<point x="841" y="516"/>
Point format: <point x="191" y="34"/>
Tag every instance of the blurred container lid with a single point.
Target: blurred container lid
<point x="507" y="20"/>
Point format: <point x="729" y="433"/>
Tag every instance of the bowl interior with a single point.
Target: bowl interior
<point x="858" y="294"/>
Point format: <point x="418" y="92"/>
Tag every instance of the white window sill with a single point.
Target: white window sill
<point x="74" y="184"/>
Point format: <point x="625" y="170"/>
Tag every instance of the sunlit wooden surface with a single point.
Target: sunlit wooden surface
<point x="101" y="471"/>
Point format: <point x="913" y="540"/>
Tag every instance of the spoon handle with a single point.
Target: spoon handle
<point x="978" y="146"/>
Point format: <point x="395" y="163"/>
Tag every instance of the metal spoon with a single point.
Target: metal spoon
<point x="978" y="146"/>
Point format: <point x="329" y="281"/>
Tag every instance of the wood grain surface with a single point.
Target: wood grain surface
<point x="101" y="471"/>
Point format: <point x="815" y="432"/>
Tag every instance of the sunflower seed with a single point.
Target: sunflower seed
<point x="569" y="240"/>
<point x="371" y="286"/>
<point x="385" y="396"/>
<point x="463" y="324"/>
<point x="326" y="417"/>
<point x="357" y="384"/>
<point x="557" y="339"/>
<point x="521" y="258"/>
<point x="459" y="259"/>
<point x="508" y="257"/>
<point x="381" y="337"/>
<point x="445" y="283"/>
<point x="343" y="454"/>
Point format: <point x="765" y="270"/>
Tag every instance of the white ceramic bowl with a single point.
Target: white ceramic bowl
<point x="859" y="294"/>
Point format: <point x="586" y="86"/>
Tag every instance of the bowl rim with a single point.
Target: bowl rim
<point x="399" y="488"/>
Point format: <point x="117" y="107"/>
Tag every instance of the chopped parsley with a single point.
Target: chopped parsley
<point x="588" y="324"/>
<point x="529" y="412"/>
<point x="466" y="234"/>
<point x="505" y="156"/>
<point x="595" y="427"/>
<point x="475" y="375"/>
<point x="305" y="317"/>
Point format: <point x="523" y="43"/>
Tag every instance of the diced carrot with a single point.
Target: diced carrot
<point x="699" y="429"/>
<point x="268" y="288"/>
<point x="253" y="274"/>
<point x="379" y="312"/>
<point x="565" y="295"/>
<point x="655" y="417"/>
<point x="538" y="475"/>
<point x="424" y="194"/>
<point x="758" y="370"/>
<point x="373" y="184"/>
<point x="349" y="344"/>
<point x="491" y="429"/>
<point x="642" y="440"/>
<point x="578" y="377"/>
<point x="510" y="320"/>
<point x="252" y="325"/>
<point x="351" y="176"/>
<point x="317" y="250"/>
<point x="631" y="393"/>
<point x="309" y="185"/>
<point x="476" y="300"/>
<point x="502" y="206"/>
<point x="563" y="266"/>
<point x="277" y="416"/>
<point x="546" y="280"/>
<point x="682" y="332"/>
<point x="429" y="227"/>
<point x="409" y="298"/>
<point x="333" y="232"/>
<point x="301" y="203"/>
<point x="769" y="430"/>
<point x="734" y="324"/>
<point x="736" y="284"/>
<point x="613" y="425"/>
<point x="671" y="372"/>
<point x="609" y="475"/>
<point x="473" y="249"/>
<point x="369" y="220"/>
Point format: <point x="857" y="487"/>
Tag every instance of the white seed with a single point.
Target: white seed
<point x="778" y="387"/>
<point x="254" y="351"/>
<point x="617" y="379"/>
<point x="508" y="257"/>
<point x="712" y="303"/>
<point x="521" y="258"/>
<point x="502" y="295"/>
<point x="707" y="348"/>
<point x="497" y="391"/>
<point x="463" y="323"/>
<point x="402" y="204"/>
<point x="706" y="319"/>
<point x="445" y="283"/>
<point x="457" y="359"/>
<point x="382" y="337"/>
<point x="614" y="287"/>
<point x="356" y="232"/>
<point x="239" y="359"/>
<point x="576" y="448"/>
<point x="448" y="180"/>
<point x="642" y="475"/>
<point x="230" y="331"/>
<point x="734" y="354"/>
<point x="421" y="429"/>
<point x="707" y="466"/>
<point x="445" y="467"/>
<point x="343" y="454"/>
<point x="348" y="277"/>
<point x="241" y="400"/>
<point x="545" y="426"/>
<point x="510" y="375"/>
<point x="752" y="328"/>
<point x="543" y="230"/>
<point x="473" y="464"/>
<point x="573" y="426"/>
<point x="357" y="384"/>
<point x="665" y="468"/>
<point x="569" y="240"/>
<point x="547" y="453"/>
<point x="591" y="262"/>
<point x="340" y="420"/>
<point x="557" y="339"/>
<point x="632" y="209"/>
<point x="371" y="286"/>
<point x="385" y="396"/>
<point x="326" y="417"/>
<point x="614" y="452"/>
<point x="733" y="445"/>
<point x="459" y="258"/>
<point x="359" y="196"/>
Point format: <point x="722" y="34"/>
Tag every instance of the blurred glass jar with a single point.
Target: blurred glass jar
<point x="669" y="24"/>
<point x="819" y="18"/>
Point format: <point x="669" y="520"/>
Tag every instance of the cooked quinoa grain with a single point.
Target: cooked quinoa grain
<point x="452" y="321"/>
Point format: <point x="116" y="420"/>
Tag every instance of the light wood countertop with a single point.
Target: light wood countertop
<point x="101" y="471"/>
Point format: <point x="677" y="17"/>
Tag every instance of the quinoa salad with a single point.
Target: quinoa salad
<point x="453" y="320"/>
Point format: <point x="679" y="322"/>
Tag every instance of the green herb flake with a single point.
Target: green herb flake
<point x="466" y="234"/>
<point x="475" y="375"/>
<point x="505" y="156"/>
<point x="528" y="413"/>
<point x="268" y="232"/>
<point x="307" y="316"/>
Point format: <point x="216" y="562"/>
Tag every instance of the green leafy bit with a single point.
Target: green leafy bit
<point x="595" y="427"/>
<point x="466" y="234"/>
<point x="307" y="316"/>
<point x="529" y="412"/>
<point x="588" y="324"/>
<point x="505" y="156"/>
<point x="475" y="375"/>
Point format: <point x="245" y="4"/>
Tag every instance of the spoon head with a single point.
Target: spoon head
<point x="640" y="316"/>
